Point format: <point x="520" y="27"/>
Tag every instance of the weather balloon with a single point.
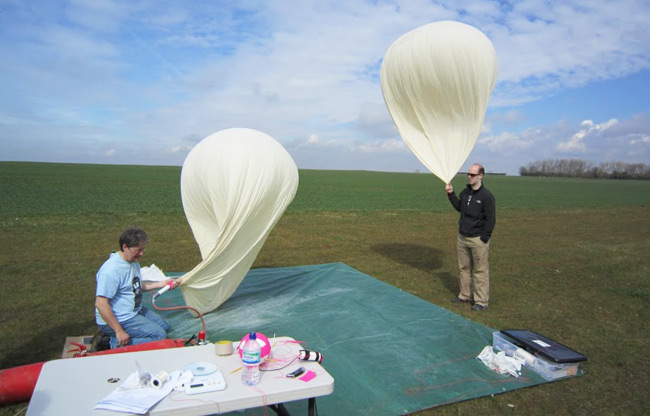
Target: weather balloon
<point x="437" y="80"/>
<point x="235" y="186"/>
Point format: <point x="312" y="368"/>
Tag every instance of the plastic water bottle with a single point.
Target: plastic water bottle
<point x="251" y="357"/>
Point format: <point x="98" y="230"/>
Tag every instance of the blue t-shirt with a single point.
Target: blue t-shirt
<point x="120" y="282"/>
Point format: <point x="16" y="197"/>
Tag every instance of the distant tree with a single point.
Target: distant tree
<point x="577" y="168"/>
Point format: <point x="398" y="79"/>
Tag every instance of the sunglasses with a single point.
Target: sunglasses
<point x="471" y="175"/>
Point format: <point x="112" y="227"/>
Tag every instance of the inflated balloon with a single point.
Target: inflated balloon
<point x="265" y="345"/>
<point x="436" y="82"/>
<point x="235" y="186"/>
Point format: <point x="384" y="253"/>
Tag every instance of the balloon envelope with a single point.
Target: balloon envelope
<point x="235" y="186"/>
<point x="437" y="80"/>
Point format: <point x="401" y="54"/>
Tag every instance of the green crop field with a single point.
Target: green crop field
<point x="568" y="260"/>
<point x="49" y="189"/>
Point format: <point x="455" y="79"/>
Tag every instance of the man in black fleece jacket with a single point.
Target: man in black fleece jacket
<point x="477" y="219"/>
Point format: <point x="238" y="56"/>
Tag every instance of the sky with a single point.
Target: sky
<point x="143" y="81"/>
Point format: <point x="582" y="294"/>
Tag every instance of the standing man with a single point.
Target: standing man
<point x="118" y="299"/>
<point x="477" y="219"/>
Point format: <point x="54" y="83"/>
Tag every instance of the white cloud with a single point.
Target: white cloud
<point x="543" y="47"/>
<point x="607" y="141"/>
<point x="156" y="77"/>
<point x="507" y="141"/>
<point x="393" y="145"/>
<point x="509" y="117"/>
<point x="643" y="139"/>
<point x="588" y="128"/>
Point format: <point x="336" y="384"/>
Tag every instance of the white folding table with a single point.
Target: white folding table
<point x="73" y="386"/>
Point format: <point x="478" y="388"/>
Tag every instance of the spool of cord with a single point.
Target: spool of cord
<point x="223" y="347"/>
<point x="159" y="379"/>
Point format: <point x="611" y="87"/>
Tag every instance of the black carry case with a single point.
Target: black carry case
<point x="535" y="343"/>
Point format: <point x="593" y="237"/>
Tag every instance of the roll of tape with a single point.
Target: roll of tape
<point x="223" y="347"/>
<point x="159" y="379"/>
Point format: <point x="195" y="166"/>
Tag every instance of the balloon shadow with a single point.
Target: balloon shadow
<point x="426" y="259"/>
<point x="423" y="258"/>
<point x="449" y="280"/>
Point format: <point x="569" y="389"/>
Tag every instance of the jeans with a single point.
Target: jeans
<point x="146" y="326"/>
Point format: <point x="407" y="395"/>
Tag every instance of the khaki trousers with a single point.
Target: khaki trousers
<point x="473" y="262"/>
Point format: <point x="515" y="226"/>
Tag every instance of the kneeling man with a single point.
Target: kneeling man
<point x="118" y="299"/>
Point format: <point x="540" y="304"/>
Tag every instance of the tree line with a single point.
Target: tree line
<point x="577" y="168"/>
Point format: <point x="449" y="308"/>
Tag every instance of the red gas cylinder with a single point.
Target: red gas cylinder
<point x="17" y="383"/>
<point x="153" y="345"/>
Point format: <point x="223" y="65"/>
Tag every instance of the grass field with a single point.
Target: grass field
<point x="569" y="260"/>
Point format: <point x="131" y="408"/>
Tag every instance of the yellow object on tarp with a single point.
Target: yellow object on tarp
<point x="235" y="186"/>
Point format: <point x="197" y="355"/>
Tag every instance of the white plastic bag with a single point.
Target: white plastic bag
<point x="500" y="362"/>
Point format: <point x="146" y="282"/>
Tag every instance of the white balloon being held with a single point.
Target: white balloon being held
<point x="437" y="80"/>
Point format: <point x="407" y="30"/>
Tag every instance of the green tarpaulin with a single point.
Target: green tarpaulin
<point x="390" y="353"/>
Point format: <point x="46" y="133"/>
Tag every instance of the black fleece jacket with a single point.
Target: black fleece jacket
<point x="477" y="212"/>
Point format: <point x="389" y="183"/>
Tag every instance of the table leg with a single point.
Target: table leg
<point x="312" y="406"/>
<point x="279" y="409"/>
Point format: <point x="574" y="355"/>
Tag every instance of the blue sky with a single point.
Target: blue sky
<point x="142" y="81"/>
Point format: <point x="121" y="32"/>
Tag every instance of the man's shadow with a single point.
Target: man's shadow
<point x="423" y="258"/>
